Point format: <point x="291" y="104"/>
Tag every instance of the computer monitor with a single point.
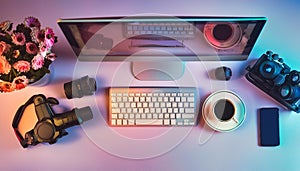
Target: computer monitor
<point x="158" y="46"/>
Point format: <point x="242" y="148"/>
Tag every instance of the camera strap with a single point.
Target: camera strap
<point x="17" y="119"/>
<point x="19" y="115"/>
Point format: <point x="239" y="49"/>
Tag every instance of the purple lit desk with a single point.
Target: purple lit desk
<point x="95" y="146"/>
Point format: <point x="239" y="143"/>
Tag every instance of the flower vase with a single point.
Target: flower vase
<point x="25" y="54"/>
<point x="44" y="80"/>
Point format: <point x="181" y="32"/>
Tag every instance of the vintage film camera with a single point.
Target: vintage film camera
<point x="275" y="78"/>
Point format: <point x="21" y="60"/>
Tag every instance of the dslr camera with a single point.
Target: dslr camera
<point x="276" y="78"/>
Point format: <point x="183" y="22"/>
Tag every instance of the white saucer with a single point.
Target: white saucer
<point x="217" y="124"/>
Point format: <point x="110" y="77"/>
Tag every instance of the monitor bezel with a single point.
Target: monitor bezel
<point x="260" y="22"/>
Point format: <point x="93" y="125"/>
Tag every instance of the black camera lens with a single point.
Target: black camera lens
<point x="84" y="114"/>
<point x="294" y="77"/>
<point x="73" y="117"/>
<point x="269" y="69"/>
<point x="289" y="92"/>
<point x="80" y="87"/>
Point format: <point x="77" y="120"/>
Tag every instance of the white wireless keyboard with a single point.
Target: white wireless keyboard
<point x="149" y="106"/>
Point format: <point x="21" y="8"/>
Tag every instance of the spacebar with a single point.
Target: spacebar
<point x="149" y="122"/>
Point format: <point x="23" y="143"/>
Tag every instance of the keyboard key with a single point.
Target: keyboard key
<point x="173" y="122"/>
<point x="189" y="110"/>
<point x="178" y="116"/>
<point x="187" y="116"/>
<point x="116" y="110"/>
<point x="149" y="122"/>
<point x="166" y="122"/>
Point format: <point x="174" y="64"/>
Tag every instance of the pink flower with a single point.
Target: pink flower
<point x="32" y="22"/>
<point x="18" y="39"/>
<point x="22" y="66"/>
<point x="3" y="47"/>
<point x="19" y="83"/>
<point x="37" y="62"/>
<point x="49" y="37"/>
<point x="43" y="49"/>
<point x="31" y="48"/>
<point x="5" y="67"/>
<point x="40" y="35"/>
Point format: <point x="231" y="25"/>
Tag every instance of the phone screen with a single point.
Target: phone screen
<point x="269" y="127"/>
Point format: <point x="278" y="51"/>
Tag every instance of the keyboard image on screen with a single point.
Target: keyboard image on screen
<point x="158" y="30"/>
<point x="151" y="106"/>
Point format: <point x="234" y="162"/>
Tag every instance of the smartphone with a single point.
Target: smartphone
<point x="269" y="126"/>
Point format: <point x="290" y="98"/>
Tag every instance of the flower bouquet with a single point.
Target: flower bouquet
<point x="25" y="53"/>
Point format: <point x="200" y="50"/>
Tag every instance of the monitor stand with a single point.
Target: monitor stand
<point x="157" y="71"/>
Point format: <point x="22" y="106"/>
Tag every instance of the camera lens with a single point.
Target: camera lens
<point x="73" y="117"/>
<point x="290" y="92"/>
<point x="269" y="69"/>
<point x="80" y="87"/>
<point x="294" y="77"/>
<point x="84" y="114"/>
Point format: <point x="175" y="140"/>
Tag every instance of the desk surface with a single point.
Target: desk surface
<point x="95" y="146"/>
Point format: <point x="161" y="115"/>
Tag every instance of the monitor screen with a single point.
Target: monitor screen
<point x="142" y="38"/>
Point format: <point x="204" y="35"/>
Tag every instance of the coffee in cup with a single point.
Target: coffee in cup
<point x="224" y="109"/>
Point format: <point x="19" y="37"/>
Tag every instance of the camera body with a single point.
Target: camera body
<point x="275" y="78"/>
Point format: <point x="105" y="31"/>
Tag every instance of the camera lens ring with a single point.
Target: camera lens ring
<point x="285" y="91"/>
<point x="294" y="77"/>
<point x="78" y="88"/>
<point x="269" y="69"/>
<point x="290" y="92"/>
